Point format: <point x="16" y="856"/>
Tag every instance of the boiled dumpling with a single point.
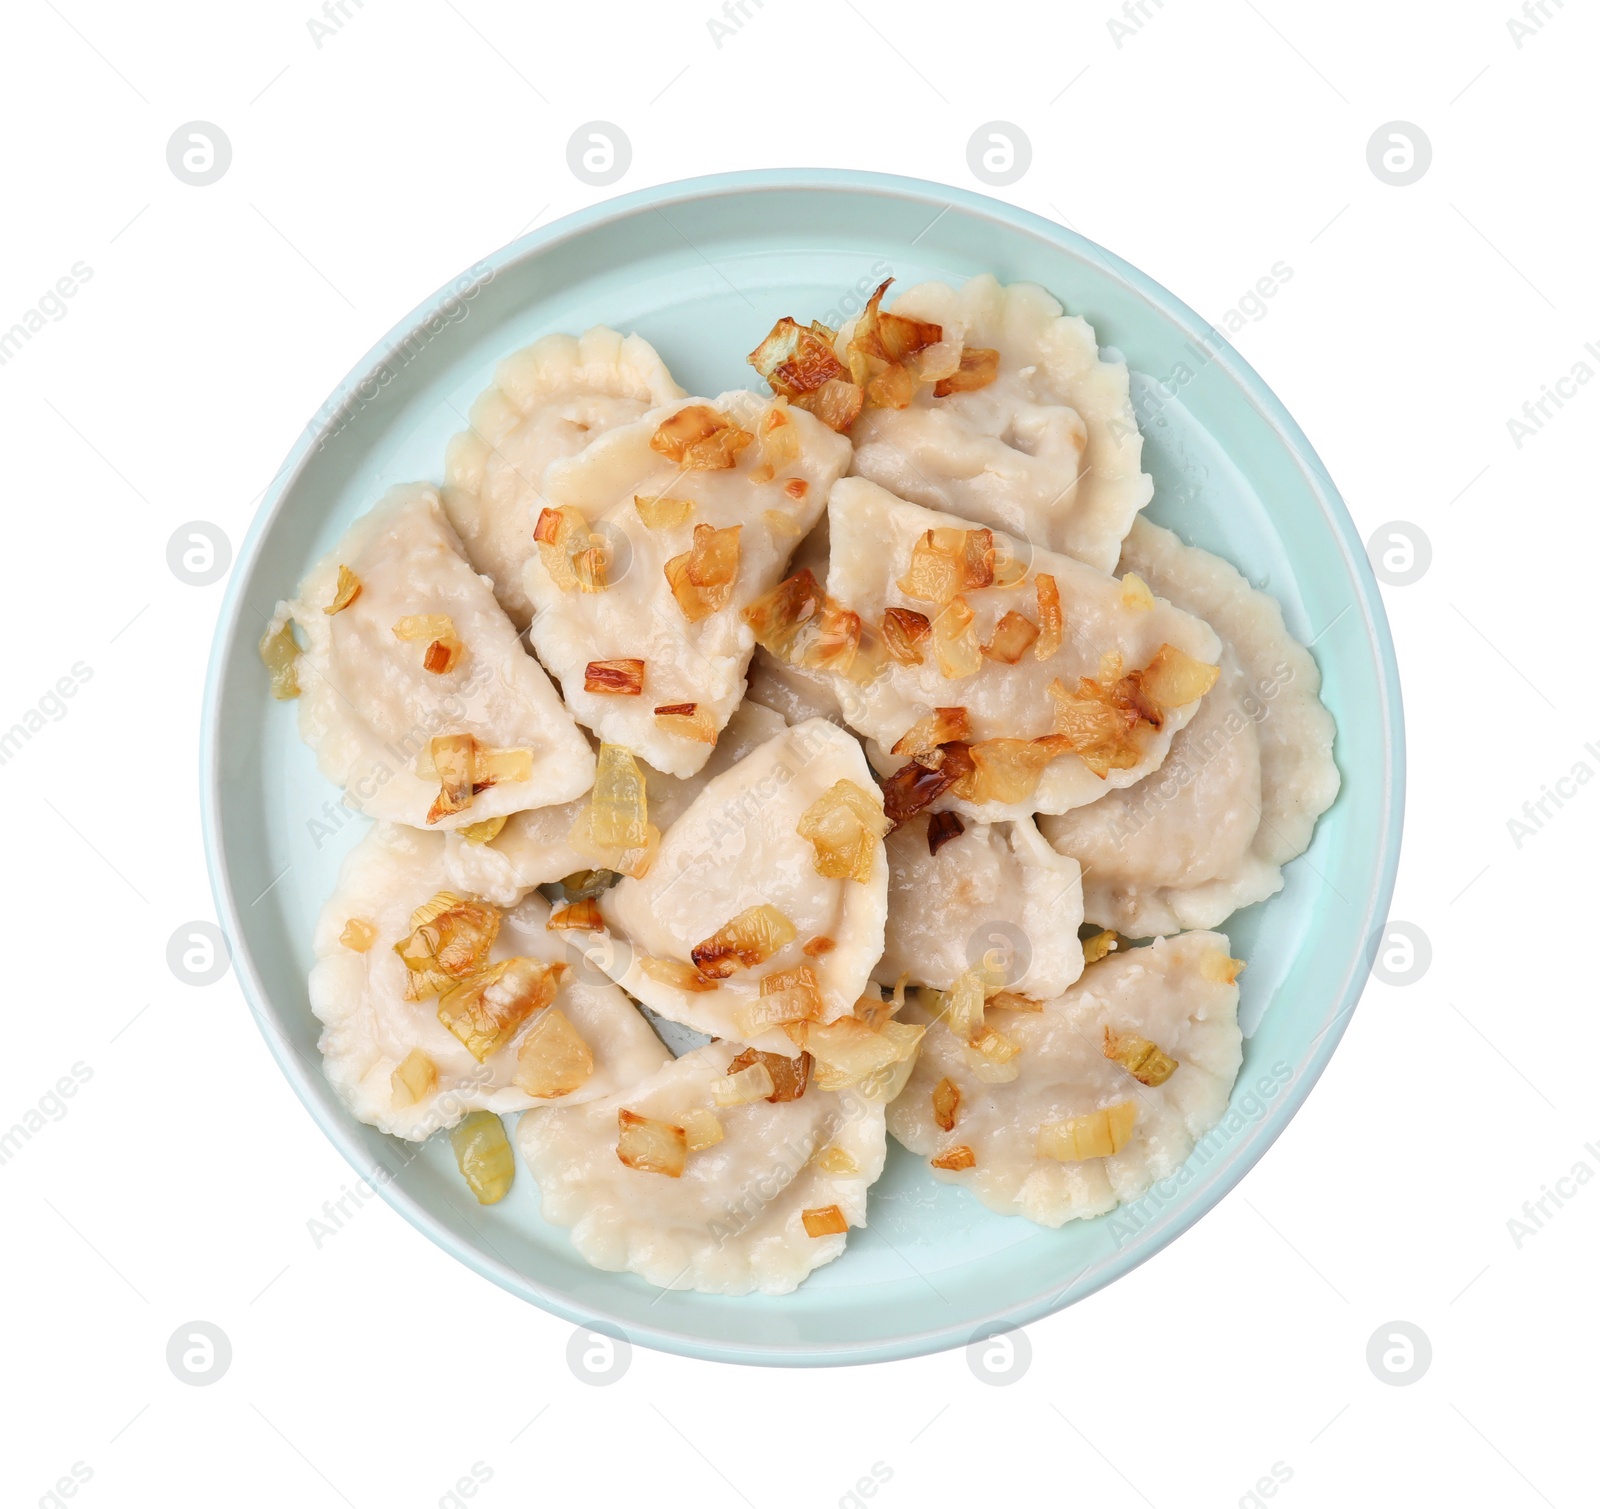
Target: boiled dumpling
<point x="547" y="401"/>
<point x="1244" y="784"/>
<point x="738" y="850"/>
<point x="791" y="691"/>
<point x="1049" y="451"/>
<point x="1169" y="1010"/>
<point x="534" y="848"/>
<point x="996" y="897"/>
<point x="990" y="666"/>
<point x="735" y="1219"/>
<point x="407" y="645"/>
<point x="394" y="1063"/>
<point x="656" y="536"/>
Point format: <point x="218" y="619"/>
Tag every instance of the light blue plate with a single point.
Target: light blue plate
<point x="702" y="269"/>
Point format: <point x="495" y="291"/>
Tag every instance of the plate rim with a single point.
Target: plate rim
<point x="1248" y="1149"/>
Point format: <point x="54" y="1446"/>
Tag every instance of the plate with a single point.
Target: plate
<point x="702" y="269"/>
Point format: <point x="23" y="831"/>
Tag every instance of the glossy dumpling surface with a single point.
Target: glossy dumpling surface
<point x="1241" y="790"/>
<point x="733" y="1221"/>
<point x="637" y="615"/>
<point x="1048" y="452"/>
<point x="996" y="898"/>
<point x="737" y="847"/>
<point x="369" y="708"/>
<point x="873" y="536"/>
<point x="1174" y="994"/>
<point x="370" y="1028"/>
<point x="547" y="401"/>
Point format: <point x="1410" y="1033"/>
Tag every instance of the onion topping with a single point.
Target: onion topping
<point x="345" y="592"/>
<point x="553" y="1059"/>
<point x="751" y="938"/>
<point x="699" y="438"/>
<point x="824" y="1221"/>
<point x="845" y="827"/>
<point x="614" y="678"/>
<point x="651" y="1146"/>
<point x="1100" y="1134"/>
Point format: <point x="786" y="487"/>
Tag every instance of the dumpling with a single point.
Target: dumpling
<point x="534" y="849"/>
<point x="738" y="847"/>
<point x="979" y="655"/>
<point x="1170" y="1010"/>
<point x="650" y="618"/>
<point x="996" y="897"/>
<point x="1244" y="784"/>
<point x="547" y="401"/>
<point x="392" y="1060"/>
<point x="735" y="1219"/>
<point x="1049" y="451"/>
<point x="392" y="599"/>
<point x="791" y="691"/>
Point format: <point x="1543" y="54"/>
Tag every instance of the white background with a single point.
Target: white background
<point x="1217" y="139"/>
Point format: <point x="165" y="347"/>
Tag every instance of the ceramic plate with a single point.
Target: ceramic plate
<point x="701" y="269"/>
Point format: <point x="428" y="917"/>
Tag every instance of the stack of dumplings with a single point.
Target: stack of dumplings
<point x="858" y="739"/>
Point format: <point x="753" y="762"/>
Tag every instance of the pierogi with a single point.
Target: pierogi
<point x="840" y="713"/>
<point x="1049" y="451"/>
<point x="1241" y="790"/>
<point x="535" y="848"/>
<point x="738" y="847"/>
<point x="371" y="707"/>
<point x="676" y="529"/>
<point x="547" y="401"/>
<point x="735" y="1219"/>
<point x="874" y="535"/>
<point x="1170" y="1008"/>
<point x="371" y="1029"/>
<point x="996" y="897"/>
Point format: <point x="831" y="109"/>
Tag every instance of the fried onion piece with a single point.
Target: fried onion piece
<point x="449" y="941"/>
<point x="615" y="678"/>
<point x="279" y="652"/>
<point x="346" y="591"/>
<point x="799" y="623"/>
<point x="824" y="1221"/>
<point x="688" y="720"/>
<point x="485" y="1011"/>
<point x="700" y="438"/>
<point x="751" y="938"/>
<point x="790" y="1076"/>
<point x="925" y="735"/>
<point x="1100" y="1134"/>
<point x="844" y="827"/>
<point x="903" y="630"/>
<point x="1012" y="637"/>
<point x="1050" y="620"/>
<point x="702" y="577"/>
<point x="1139" y="1056"/>
<point x="942" y="827"/>
<point x="979" y="367"/>
<point x="919" y="784"/>
<point x="651" y="1146"/>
